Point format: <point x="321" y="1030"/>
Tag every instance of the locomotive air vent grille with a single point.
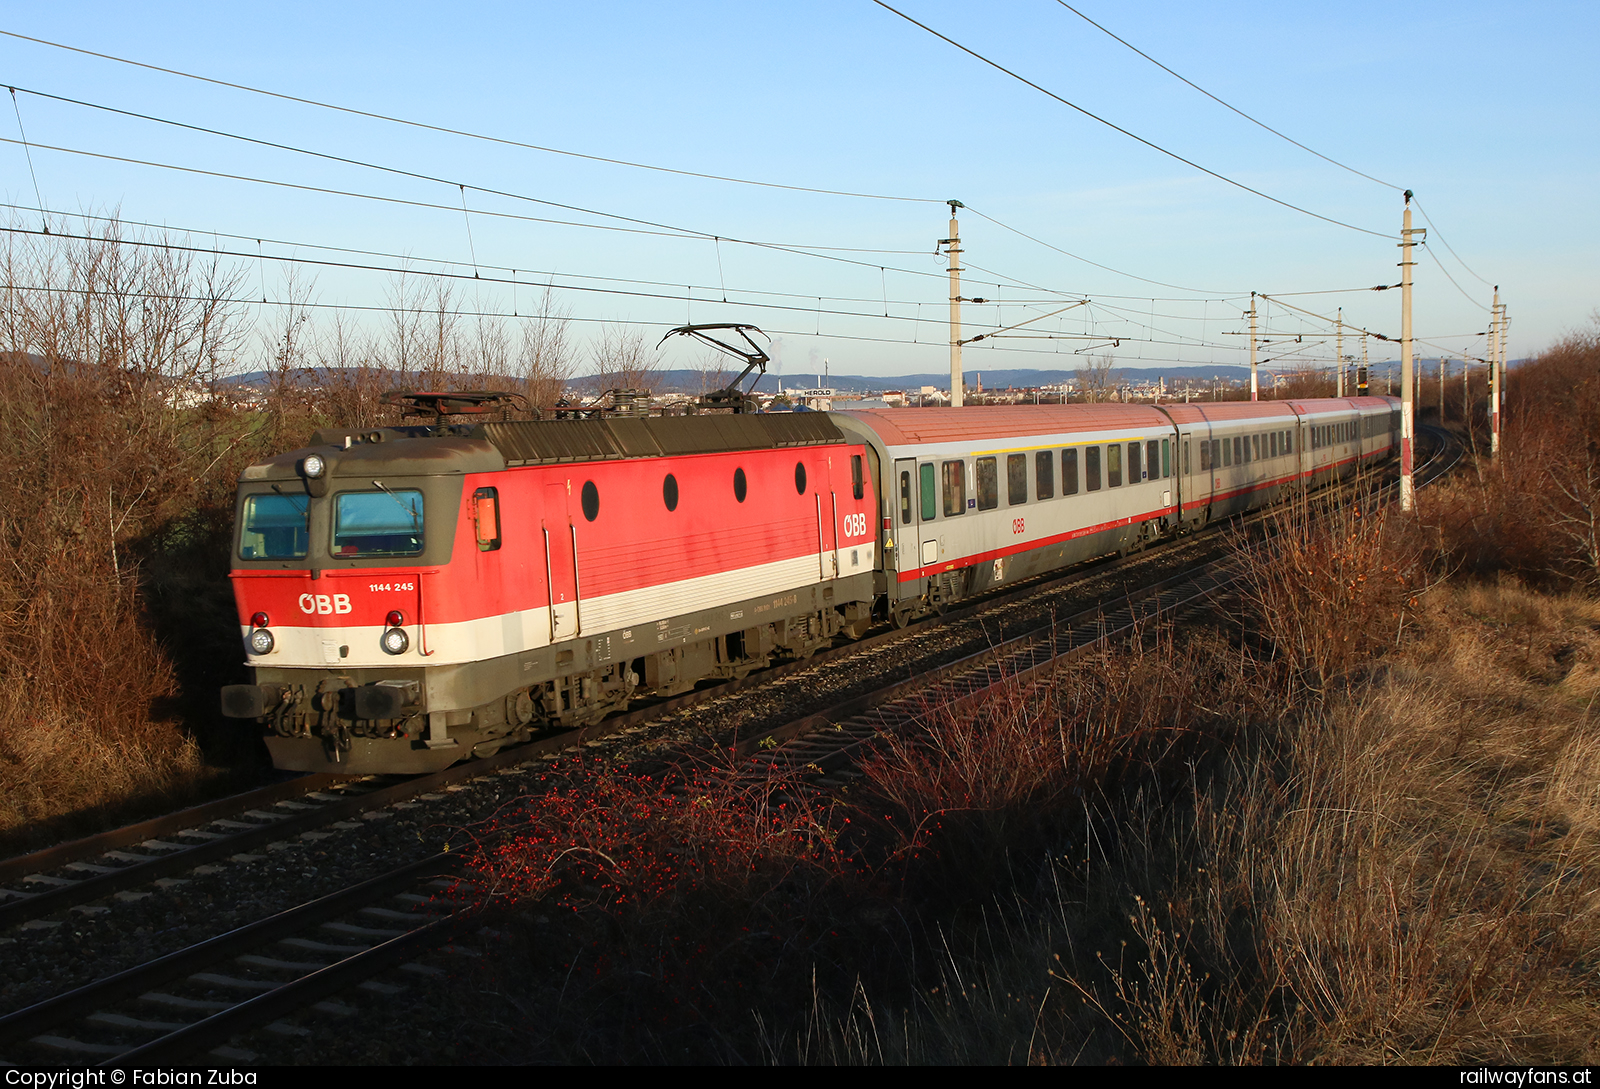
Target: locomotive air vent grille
<point x="544" y="442"/>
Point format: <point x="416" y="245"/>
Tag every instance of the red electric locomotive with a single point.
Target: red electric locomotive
<point x="413" y="595"/>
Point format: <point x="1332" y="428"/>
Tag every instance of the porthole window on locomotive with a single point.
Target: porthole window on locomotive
<point x="669" y="492"/>
<point x="800" y="477"/>
<point x="740" y="487"/>
<point x="591" y="500"/>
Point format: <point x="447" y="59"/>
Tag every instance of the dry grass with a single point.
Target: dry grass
<point x="1402" y="869"/>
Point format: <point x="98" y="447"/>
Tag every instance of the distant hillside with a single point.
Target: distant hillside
<point x="681" y="380"/>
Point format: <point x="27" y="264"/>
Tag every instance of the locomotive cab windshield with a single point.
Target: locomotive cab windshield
<point x="381" y="523"/>
<point x="275" y="527"/>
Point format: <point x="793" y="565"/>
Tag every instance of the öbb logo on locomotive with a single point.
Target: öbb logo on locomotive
<point x="434" y="591"/>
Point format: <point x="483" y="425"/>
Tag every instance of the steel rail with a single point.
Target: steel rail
<point x="199" y="816"/>
<point x="30" y="1021"/>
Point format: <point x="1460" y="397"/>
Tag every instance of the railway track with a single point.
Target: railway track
<point x="229" y="985"/>
<point x="119" y="861"/>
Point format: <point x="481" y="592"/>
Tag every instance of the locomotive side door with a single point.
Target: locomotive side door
<point x="828" y="526"/>
<point x="560" y="563"/>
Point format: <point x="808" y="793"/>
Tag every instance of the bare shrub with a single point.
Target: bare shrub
<point x="977" y="787"/>
<point x="1331" y="583"/>
<point x="684" y="898"/>
<point x="109" y="350"/>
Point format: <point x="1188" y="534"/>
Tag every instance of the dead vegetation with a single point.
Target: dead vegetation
<point x="121" y="439"/>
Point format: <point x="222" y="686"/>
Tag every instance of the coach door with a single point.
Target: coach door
<point x="906" y="524"/>
<point x="560" y="563"/>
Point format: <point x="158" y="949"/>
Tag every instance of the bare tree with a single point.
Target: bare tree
<point x="624" y="359"/>
<point x="1094" y="377"/>
<point x="545" y="357"/>
<point x="711" y="371"/>
<point x="489" y="364"/>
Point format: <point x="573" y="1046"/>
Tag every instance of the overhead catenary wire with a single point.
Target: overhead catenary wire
<point x="1447" y="245"/>
<point x="1451" y="278"/>
<point x="426" y="310"/>
<point x="28" y="151"/>
<point x="402" y="172"/>
<point x="664" y="232"/>
<point x="447" y="130"/>
<point x="411" y="258"/>
<point x="402" y="271"/>
<point x="1131" y="135"/>
<point x="1226" y="105"/>
<point x="1096" y="264"/>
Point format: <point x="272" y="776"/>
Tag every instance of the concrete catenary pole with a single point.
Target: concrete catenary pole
<point x="1494" y="375"/>
<point x="1408" y="423"/>
<point x="1253" y="388"/>
<point x="1500" y="363"/>
<point x="1338" y="353"/>
<point x="952" y="249"/>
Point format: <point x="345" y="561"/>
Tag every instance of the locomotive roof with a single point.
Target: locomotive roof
<point x="912" y="426"/>
<point x="546" y="442"/>
<point x="489" y="447"/>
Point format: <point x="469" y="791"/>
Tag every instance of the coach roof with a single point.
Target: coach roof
<point x="985" y="423"/>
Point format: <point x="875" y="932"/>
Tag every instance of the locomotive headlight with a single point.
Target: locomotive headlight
<point x="313" y="466"/>
<point x="260" y="641"/>
<point x="394" y="641"/>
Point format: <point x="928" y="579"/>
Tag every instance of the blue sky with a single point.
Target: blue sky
<point x="1487" y="111"/>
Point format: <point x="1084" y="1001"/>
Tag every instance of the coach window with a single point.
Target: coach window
<point x="741" y="486"/>
<point x="857" y="487"/>
<point x="1152" y="459"/>
<point x="1227" y="451"/>
<point x="1016" y="479"/>
<point x="1069" y="472"/>
<point x="988" y="484"/>
<point x="1114" y="465"/>
<point x="1044" y="475"/>
<point x="1134" y="476"/>
<point x="1186" y="469"/>
<point x="1237" y="459"/>
<point x="1166" y="458"/>
<point x="1272" y="444"/>
<point x="486" y="516"/>
<point x="930" y="501"/>
<point x="1205" y="455"/>
<point x="955" y="488"/>
<point x="669" y="492"/>
<point x="905" y="496"/>
<point x="1091" y="468"/>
